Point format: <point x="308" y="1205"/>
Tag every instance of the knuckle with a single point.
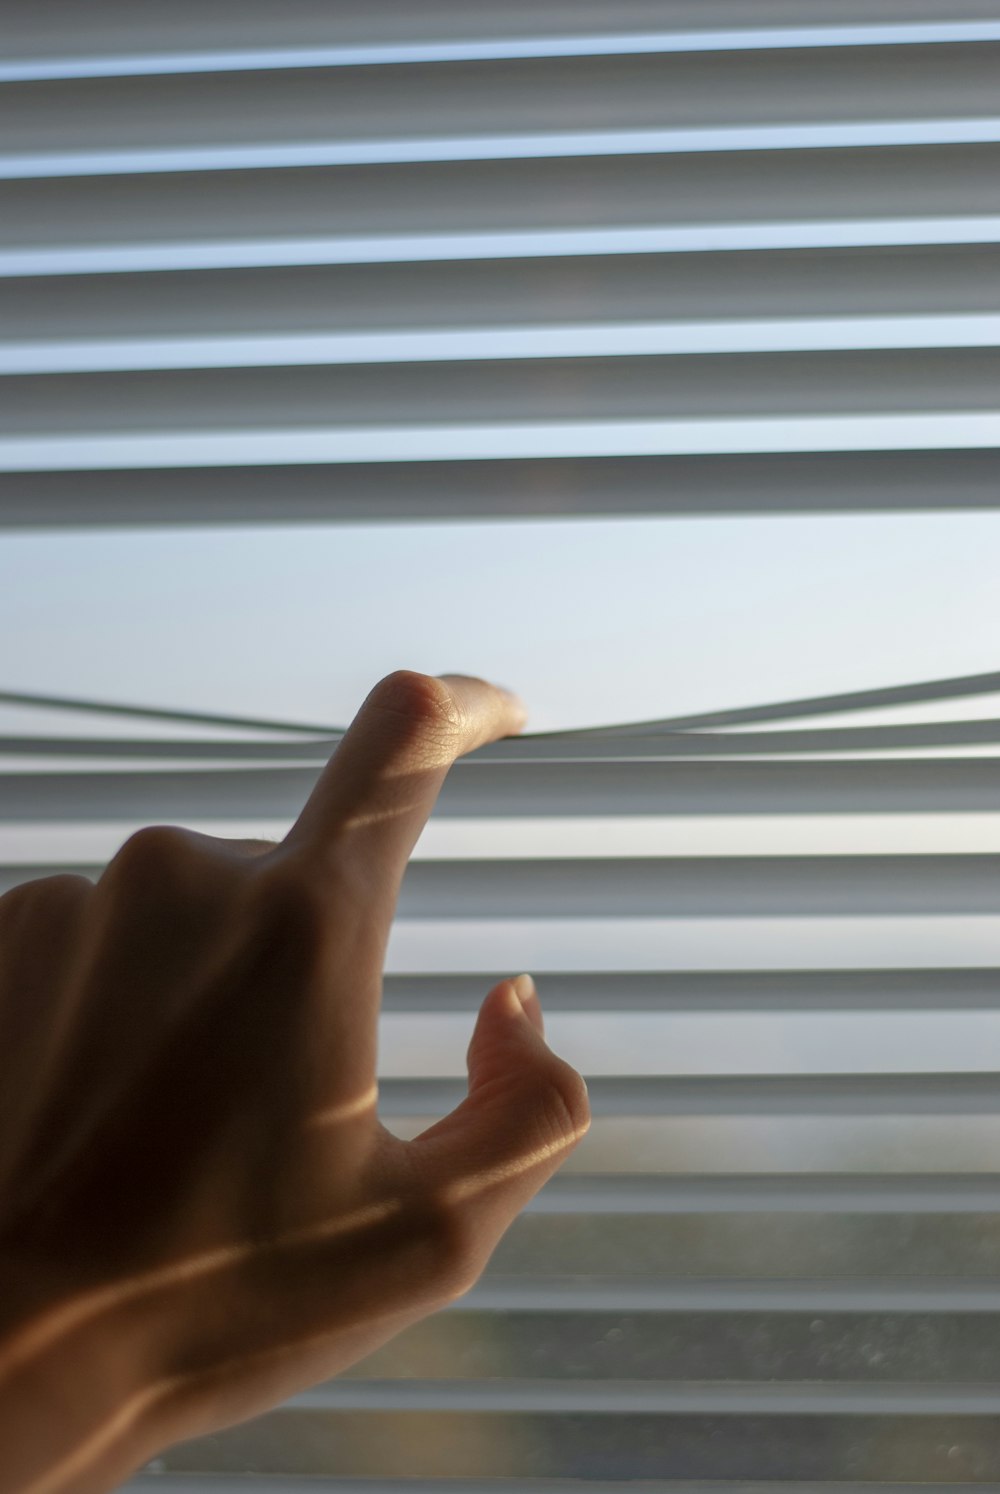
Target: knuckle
<point x="53" y="894"/>
<point x="420" y="700"/>
<point x="565" y="1103"/>
<point x="168" y="874"/>
<point x="163" y="849"/>
<point x="69" y="884"/>
<point x="447" y="1234"/>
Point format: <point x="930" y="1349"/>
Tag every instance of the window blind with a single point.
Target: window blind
<point x="277" y="264"/>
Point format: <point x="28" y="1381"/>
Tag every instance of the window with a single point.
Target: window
<point x="643" y="357"/>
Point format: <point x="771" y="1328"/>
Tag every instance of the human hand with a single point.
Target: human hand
<point x="200" y="1212"/>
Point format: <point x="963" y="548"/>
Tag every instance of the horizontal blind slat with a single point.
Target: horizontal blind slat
<point x="826" y="482"/>
<point x="479" y="295"/>
<point x="778" y="1253"/>
<point x="744" y="1448"/>
<point x="814" y="1095"/>
<point x="550" y="145"/>
<point x="684" y="887"/>
<point x="403" y="206"/>
<point x="598" y="1194"/>
<point x="607" y="1398"/>
<point x="39" y="28"/>
<point x="771" y="990"/>
<point x="556" y="788"/>
<point x="934" y="430"/>
<point x="665" y="744"/>
<point x="423" y="110"/>
<point x="497" y="394"/>
<point x="742" y="840"/>
<point x="477" y="345"/>
<point x="595" y="1298"/>
<point x="222" y="253"/>
<point x="755" y="33"/>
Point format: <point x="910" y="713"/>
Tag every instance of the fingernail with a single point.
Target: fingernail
<point x="524" y="987"/>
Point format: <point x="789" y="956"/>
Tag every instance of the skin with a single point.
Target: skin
<point x="200" y="1211"/>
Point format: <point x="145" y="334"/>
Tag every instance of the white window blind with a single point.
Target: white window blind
<point x="385" y="262"/>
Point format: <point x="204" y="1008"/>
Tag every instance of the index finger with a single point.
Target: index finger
<point x="376" y="793"/>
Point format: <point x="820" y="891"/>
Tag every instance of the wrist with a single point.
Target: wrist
<point x="78" y="1390"/>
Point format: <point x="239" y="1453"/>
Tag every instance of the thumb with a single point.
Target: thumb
<point x="525" y="1112"/>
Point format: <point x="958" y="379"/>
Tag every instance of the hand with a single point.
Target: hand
<point x="200" y="1212"/>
